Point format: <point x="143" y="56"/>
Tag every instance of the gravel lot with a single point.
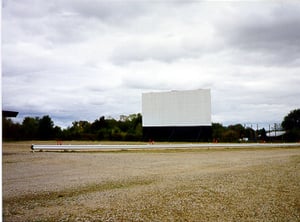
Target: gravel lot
<point x="225" y="184"/>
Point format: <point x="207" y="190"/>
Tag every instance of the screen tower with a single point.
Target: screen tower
<point x="177" y="115"/>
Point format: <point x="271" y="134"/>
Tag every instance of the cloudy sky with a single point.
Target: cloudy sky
<point x="79" y="60"/>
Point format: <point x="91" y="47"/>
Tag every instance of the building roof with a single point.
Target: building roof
<point x="275" y="133"/>
<point x="6" y="113"/>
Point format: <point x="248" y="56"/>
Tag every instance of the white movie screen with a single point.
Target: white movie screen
<point x="177" y="108"/>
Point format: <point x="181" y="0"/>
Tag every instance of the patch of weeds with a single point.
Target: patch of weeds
<point x="295" y="159"/>
<point x="44" y="199"/>
<point x="10" y="161"/>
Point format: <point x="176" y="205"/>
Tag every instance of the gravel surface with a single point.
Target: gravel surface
<point x="166" y="185"/>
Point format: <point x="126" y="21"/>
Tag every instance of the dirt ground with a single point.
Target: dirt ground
<point x="248" y="184"/>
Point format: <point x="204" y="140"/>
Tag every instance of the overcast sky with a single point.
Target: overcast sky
<point x="79" y="60"/>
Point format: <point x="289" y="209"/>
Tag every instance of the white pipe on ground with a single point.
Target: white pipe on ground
<point x="35" y="147"/>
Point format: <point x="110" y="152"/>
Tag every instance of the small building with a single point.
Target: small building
<point x="177" y="115"/>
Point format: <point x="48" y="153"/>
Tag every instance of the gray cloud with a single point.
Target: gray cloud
<point x="83" y="59"/>
<point x="267" y="36"/>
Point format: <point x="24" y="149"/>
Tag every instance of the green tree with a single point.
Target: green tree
<point x="262" y="134"/>
<point x="98" y="124"/>
<point x="238" y="129"/>
<point x="292" y="120"/>
<point x="134" y="130"/>
<point x="250" y="134"/>
<point x="291" y="124"/>
<point x="46" y="128"/>
<point x="11" y="130"/>
<point x="230" y="135"/>
<point x="30" y="127"/>
<point x="127" y="128"/>
<point x="217" y="132"/>
<point x="80" y="130"/>
<point x="58" y="133"/>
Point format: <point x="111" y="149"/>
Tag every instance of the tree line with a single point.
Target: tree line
<point x="129" y="128"/>
<point x="36" y="128"/>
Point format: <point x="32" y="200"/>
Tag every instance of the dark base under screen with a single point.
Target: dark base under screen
<point x="178" y="133"/>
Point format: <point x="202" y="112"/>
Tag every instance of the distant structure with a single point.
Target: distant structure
<point x="177" y="115"/>
<point x="6" y="113"/>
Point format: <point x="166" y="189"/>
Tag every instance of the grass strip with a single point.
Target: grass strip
<point x="30" y="201"/>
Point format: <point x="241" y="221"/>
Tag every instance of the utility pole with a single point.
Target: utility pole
<point x="256" y="132"/>
<point x="269" y="132"/>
